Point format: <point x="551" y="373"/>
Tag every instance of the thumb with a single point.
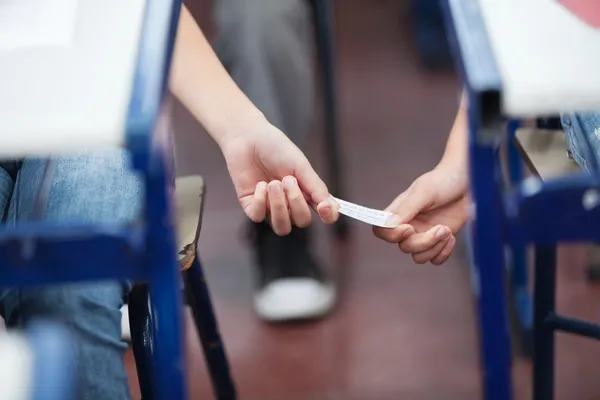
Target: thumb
<point x="410" y="203"/>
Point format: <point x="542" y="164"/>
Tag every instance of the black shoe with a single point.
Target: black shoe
<point x="291" y="284"/>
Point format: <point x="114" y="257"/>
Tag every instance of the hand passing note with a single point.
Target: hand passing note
<point x="430" y="212"/>
<point x="274" y="180"/>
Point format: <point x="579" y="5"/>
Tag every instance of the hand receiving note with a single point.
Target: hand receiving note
<point x="371" y="216"/>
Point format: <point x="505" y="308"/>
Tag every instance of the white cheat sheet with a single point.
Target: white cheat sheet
<point x="367" y="215"/>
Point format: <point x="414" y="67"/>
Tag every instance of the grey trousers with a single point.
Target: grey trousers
<point x="266" y="45"/>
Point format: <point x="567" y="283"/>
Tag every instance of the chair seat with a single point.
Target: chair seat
<point x="547" y="55"/>
<point x="545" y="152"/>
<point x="189" y="198"/>
<point x="66" y="96"/>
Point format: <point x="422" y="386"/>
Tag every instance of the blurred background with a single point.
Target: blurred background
<point x="398" y="330"/>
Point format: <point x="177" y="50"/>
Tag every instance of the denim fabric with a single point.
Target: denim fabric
<point x="96" y="186"/>
<point x="587" y="124"/>
<point x="12" y="167"/>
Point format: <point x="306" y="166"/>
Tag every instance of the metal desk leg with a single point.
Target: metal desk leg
<point x="521" y="303"/>
<point x="169" y="362"/>
<point x="489" y="260"/>
<point x="323" y="11"/>
<point x="141" y="320"/>
<point x="544" y="298"/>
<point x="165" y="291"/>
<point x="208" y="330"/>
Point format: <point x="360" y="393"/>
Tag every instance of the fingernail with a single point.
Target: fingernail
<point x="275" y="188"/>
<point x="393" y="221"/>
<point x="326" y="210"/>
<point x="289" y="182"/>
<point x="442" y="232"/>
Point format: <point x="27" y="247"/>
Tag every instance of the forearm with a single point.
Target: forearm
<point x="203" y="86"/>
<point x="456" y="154"/>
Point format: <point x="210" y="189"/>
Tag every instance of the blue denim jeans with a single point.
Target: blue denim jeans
<point x="96" y="186"/>
<point x="588" y="124"/>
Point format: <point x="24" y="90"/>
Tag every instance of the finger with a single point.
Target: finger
<point x="445" y="253"/>
<point x="296" y="202"/>
<point x="394" y="235"/>
<point x="420" y="242"/>
<point x="312" y="184"/>
<point x="280" y="218"/>
<point x="328" y="211"/>
<point x="257" y="209"/>
<point x="408" y="204"/>
<point x="429" y="254"/>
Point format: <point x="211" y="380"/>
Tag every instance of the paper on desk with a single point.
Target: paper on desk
<point x="367" y="215"/>
<point x="37" y="23"/>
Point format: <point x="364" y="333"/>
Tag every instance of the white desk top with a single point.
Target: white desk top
<point x="548" y="57"/>
<point x="64" y="98"/>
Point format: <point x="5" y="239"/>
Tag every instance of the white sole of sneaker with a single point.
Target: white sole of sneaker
<point x="294" y="299"/>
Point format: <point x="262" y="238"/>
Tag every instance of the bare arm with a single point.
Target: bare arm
<point x="201" y="83"/>
<point x="456" y="154"/>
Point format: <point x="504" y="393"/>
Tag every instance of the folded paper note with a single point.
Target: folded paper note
<point x="367" y="215"/>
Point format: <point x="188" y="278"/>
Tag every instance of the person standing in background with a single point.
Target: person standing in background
<point x="266" y="45"/>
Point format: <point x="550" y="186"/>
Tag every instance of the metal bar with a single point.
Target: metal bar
<point x="207" y="328"/>
<point x="489" y="260"/>
<point x="544" y="306"/>
<point x="574" y="326"/>
<point x="141" y="320"/>
<point x="474" y="55"/>
<point x="153" y="64"/>
<point x="521" y="298"/>
<point x="164" y="284"/>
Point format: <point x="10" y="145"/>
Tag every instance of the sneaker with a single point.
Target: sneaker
<point x="291" y="284"/>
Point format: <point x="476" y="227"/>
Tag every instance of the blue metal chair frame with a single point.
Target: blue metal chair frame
<point x="198" y="297"/>
<point x="515" y="217"/>
<point x="141" y="315"/>
<point x="516" y="258"/>
<point x="142" y="251"/>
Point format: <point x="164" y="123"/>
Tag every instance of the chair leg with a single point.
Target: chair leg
<point x="490" y="274"/>
<point x="593" y="271"/>
<point x="169" y="358"/>
<point x="206" y="325"/>
<point x="141" y="320"/>
<point x="323" y="11"/>
<point x="520" y="296"/>
<point x="544" y="306"/>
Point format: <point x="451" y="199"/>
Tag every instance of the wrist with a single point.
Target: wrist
<point x="237" y="126"/>
<point x="456" y="168"/>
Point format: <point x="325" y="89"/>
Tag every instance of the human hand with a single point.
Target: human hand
<point x="430" y="212"/>
<point x="274" y="180"/>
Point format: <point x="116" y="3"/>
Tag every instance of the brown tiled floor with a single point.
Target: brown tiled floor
<point x="401" y="331"/>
